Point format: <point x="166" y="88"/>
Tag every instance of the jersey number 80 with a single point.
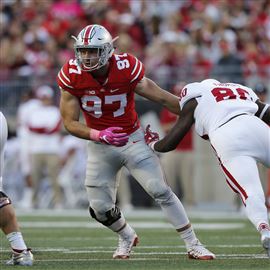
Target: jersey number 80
<point x="222" y="93"/>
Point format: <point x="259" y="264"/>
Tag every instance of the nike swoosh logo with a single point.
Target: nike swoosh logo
<point x="136" y="141"/>
<point x="105" y="139"/>
<point x="114" y="90"/>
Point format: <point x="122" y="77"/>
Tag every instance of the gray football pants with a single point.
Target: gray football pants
<point x="104" y="161"/>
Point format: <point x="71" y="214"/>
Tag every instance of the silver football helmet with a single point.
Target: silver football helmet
<point x="97" y="38"/>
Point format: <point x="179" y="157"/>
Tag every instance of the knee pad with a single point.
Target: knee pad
<point x="111" y="216"/>
<point x="4" y="200"/>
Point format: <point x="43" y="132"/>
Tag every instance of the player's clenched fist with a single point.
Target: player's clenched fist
<point x="109" y="136"/>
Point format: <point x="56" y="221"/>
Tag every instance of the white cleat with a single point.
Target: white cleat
<point x="24" y="258"/>
<point x="125" y="246"/>
<point x="198" y="252"/>
<point x="266" y="243"/>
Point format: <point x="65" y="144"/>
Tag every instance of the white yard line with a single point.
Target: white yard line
<point x="219" y="257"/>
<point x="136" y="213"/>
<point x="146" y="256"/>
<point x="108" y="249"/>
<point x="138" y="224"/>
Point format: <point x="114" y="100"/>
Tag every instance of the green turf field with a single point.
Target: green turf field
<point x="72" y="241"/>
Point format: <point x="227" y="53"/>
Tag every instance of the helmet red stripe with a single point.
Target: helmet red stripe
<point x="87" y="34"/>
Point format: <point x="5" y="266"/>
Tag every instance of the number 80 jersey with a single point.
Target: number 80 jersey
<point x="108" y="104"/>
<point x="217" y="103"/>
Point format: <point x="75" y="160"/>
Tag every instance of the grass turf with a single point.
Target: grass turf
<point x="58" y="245"/>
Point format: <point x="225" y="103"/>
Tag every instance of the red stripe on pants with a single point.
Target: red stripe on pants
<point x="240" y="190"/>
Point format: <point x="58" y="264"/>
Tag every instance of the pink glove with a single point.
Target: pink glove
<point x="150" y="137"/>
<point x="108" y="136"/>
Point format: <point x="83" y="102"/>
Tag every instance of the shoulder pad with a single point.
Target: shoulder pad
<point x="131" y="66"/>
<point x="63" y="77"/>
<point x="189" y="92"/>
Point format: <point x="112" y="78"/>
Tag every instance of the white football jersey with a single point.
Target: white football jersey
<point x="218" y="103"/>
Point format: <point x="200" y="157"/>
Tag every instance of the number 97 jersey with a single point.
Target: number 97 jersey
<point x="110" y="103"/>
<point x="217" y="103"/>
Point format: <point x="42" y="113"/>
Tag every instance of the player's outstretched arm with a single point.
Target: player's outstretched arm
<point x="150" y="90"/>
<point x="263" y="111"/>
<point x="180" y="129"/>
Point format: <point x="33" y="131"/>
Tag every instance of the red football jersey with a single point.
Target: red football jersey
<point x="108" y="104"/>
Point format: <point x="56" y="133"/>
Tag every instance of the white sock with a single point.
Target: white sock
<point x="16" y="241"/>
<point x="189" y="237"/>
<point x="126" y="231"/>
<point x="263" y="228"/>
<point x="118" y="225"/>
<point x="122" y="228"/>
<point x="256" y="210"/>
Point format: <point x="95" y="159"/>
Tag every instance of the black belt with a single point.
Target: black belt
<point x="232" y="118"/>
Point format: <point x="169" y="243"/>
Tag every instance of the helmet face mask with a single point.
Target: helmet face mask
<point x="98" y="42"/>
<point x="89" y="60"/>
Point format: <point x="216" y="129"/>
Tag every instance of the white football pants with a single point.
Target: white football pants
<point x="239" y="144"/>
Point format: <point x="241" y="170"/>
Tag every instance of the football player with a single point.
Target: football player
<point x="21" y="255"/>
<point x="102" y="85"/>
<point x="236" y="123"/>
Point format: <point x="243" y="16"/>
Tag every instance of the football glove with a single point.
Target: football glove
<point x="150" y="137"/>
<point x="109" y="136"/>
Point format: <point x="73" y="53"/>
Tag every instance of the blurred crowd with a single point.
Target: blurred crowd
<point x="176" y="39"/>
<point x="44" y="166"/>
